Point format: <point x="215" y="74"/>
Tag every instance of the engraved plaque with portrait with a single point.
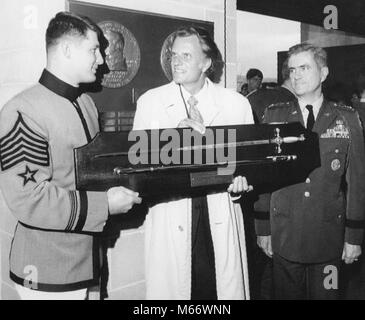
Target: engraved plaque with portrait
<point x="122" y="55"/>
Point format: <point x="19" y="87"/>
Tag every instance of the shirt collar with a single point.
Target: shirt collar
<point x="199" y="96"/>
<point x="58" y="86"/>
<point x="316" y="105"/>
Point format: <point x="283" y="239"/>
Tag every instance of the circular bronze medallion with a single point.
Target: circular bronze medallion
<point x="123" y="55"/>
<point x="165" y="57"/>
<point x="335" y="164"/>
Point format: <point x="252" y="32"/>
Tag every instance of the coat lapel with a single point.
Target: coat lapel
<point x="174" y="105"/>
<point x="211" y="108"/>
<point x="175" y="108"/>
<point x="327" y="114"/>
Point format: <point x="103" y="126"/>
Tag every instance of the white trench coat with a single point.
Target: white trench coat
<point x="168" y="225"/>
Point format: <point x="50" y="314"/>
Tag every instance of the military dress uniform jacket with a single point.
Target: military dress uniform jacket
<point x="53" y="248"/>
<point x="311" y="220"/>
<point x="263" y="98"/>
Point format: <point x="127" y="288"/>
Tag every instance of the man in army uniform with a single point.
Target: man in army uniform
<point x="314" y="224"/>
<point x="55" y="251"/>
<point x="261" y="99"/>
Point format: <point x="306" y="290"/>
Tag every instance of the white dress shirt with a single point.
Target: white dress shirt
<point x="316" y="106"/>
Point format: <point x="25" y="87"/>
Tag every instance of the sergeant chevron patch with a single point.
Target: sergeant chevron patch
<point x="22" y="144"/>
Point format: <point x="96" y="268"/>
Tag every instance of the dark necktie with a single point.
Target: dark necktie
<point x="310" y="119"/>
<point x="203" y="283"/>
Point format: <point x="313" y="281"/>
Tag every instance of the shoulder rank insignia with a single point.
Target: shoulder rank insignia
<point x="344" y="107"/>
<point x="279" y="105"/>
<point x="23" y="144"/>
<point x="338" y="131"/>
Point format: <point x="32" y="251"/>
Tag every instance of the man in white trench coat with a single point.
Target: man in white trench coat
<point x="218" y="270"/>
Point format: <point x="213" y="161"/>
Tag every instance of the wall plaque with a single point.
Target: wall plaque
<point x="135" y="52"/>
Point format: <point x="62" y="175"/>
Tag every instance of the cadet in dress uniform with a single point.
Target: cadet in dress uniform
<point x="54" y="248"/>
<point x="314" y="224"/>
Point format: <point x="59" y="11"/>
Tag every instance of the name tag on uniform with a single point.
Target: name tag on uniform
<point x="338" y="131"/>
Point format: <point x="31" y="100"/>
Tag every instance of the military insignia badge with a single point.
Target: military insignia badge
<point x="338" y="131"/>
<point x="335" y="164"/>
<point x="28" y="175"/>
<point x="22" y="144"/>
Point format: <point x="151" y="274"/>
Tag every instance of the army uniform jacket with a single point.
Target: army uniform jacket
<point x="310" y="221"/>
<point x="54" y="247"/>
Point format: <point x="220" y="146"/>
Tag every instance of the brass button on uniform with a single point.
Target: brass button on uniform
<point x="307" y="194"/>
<point x="308" y="180"/>
<point x="337" y="151"/>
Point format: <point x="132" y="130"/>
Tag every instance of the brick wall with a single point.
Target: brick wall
<point x="22" y="58"/>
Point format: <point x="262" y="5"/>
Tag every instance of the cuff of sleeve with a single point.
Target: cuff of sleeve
<point x="97" y="213"/>
<point x="234" y="197"/>
<point x="263" y="203"/>
<point x="354" y="236"/>
<point x="262" y="223"/>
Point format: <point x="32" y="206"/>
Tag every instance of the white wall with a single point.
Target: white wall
<point x="22" y="58"/>
<point x="259" y="38"/>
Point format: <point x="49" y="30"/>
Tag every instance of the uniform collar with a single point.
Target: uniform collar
<point x="251" y="92"/>
<point x="58" y="86"/>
